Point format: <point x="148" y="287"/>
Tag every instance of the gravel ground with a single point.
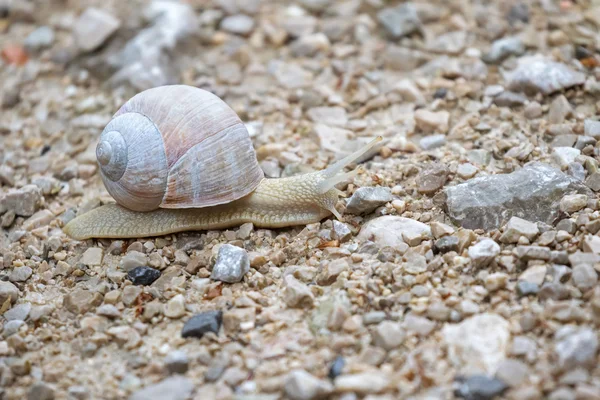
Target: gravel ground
<point x="466" y="264"/>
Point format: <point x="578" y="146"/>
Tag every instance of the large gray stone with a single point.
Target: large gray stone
<point x="533" y="193"/>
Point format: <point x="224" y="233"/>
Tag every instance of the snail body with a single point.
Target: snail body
<point x="177" y="158"/>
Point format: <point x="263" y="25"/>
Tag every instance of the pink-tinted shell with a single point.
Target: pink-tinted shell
<point x="185" y="148"/>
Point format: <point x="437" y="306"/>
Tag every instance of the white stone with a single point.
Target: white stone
<point x="478" y="344"/>
<point x="388" y="335"/>
<point x="335" y="116"/>
<point x="432" y="121"/>
<point x="175" y="307"/>
<point x="534" y="274"/>
<point x="389" y="230"/>
<point x="573" y="202"/>
<point x="92" y="256"/>
<point x="362" y="383"/>
<point x="300" y="385"/>
<point x="563" y="156"/>
<point x="518" y="227"/>
<point x="133" y="259"/>
<point x="483" y="252"/>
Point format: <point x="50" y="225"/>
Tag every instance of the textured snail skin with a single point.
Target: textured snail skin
<point x="275" y="203"/>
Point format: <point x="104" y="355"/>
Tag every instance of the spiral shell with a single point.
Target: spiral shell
<point x="176" y="147"/>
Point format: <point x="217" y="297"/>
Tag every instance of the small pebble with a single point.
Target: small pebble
<point x="198" y="325"/>
<point x="231" y="265"/>
<point x="143" y="275"/>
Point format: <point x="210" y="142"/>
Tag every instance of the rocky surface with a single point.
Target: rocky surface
<point x="466" y="261"/>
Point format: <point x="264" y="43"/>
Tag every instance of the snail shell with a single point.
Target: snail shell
<point x="176" y="147"/>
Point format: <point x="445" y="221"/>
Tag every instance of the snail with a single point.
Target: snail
<point x="178" y="158"/>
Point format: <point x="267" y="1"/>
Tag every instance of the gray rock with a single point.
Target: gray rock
<point x="307" y="46"/>
<point x="239" y="24"/>
<point x="560" y="108"/>
<point x="24" y="201"/>
<point x="432" y="142"/>
<point x="479" y="156"/>
<point x="536" y="74"/>
<point x="583" y="141"/>
<point x="8" y="291"/>
<point x="503" y="48"/>
<point x="40" y="391"/>
<point x="483" y="252"/>
<point x="290" y="75"/>
<point x="79" y="393"/>
<point x="533" y="192"/>
<point x="12" y="327"/>
<point x="584" y="277"/>
<point x="133" y="259"/>
<point x="479" y="387"/>
<point x="335" y="116"/>
<point x="513" y="372"/>
<point x="446" y="244"/>
<point x="300" y="385"/>
<point x="108" y="310"/>
<point x="20" y="274"/>
<point x="404" y="59"/>
<point x="39" y="39"/>
<point x="525" y="288"/>
<point x="554" y="291"/>
<point x="466" y="170"/>
<point x="509" y="99"/>
<point x="575" y="347"/>
<point x="527" y="253"/>
<point x="172" y="388"/>
<point x="199" y="324"/>
<point x="577" y="171"/>
<point x="341" y="231"/>
<point x="478" y="343"/>
<point x="18" y="312"/>
<point x="177" y="362"/>
<point x="591" y="127"/>
<point x="593" y="181"/>
<point x="388" y="335"/>
<point x="93" y="28"/>
<point x="451" y="43"/>
<point x="432" y="178"/>
<point x="231" y="265"/>
<point x="400" y="21"/>
<point x="366" y="199"/>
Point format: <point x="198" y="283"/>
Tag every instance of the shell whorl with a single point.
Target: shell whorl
<point x="176" y="147"/>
